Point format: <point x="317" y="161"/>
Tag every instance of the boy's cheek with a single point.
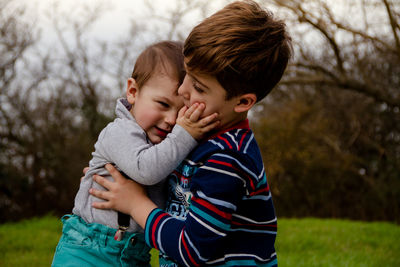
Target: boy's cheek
<point x="207" y="112"/>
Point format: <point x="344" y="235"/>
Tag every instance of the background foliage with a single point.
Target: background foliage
<point x="329" y="133"/>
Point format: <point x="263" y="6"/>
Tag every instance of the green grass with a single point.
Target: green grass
<point x="300" y="242"/>
<point x="317" y="242"/>
<point x="29" y="242"/>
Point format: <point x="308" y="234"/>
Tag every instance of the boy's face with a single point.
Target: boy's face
<point x="155" y="105"/>
<point x="206" y="89"/>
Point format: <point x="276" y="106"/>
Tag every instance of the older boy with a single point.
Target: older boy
<point x="220" y="210"/>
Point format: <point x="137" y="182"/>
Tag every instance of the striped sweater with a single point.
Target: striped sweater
<point x="219" y="209"/>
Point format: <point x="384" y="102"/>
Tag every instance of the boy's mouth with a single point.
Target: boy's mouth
<point x="161" y="132"/>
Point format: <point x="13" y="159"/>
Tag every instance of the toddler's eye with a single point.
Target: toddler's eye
<point x="163" y="104"/>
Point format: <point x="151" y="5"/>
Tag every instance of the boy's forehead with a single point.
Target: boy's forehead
<point x="195" y="72"/>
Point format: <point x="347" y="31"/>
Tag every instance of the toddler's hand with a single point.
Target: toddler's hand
<point x="189" y="119"/>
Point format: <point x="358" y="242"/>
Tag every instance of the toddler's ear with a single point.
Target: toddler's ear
<point x="131" y="90"/>
<point x="245" y="102"/>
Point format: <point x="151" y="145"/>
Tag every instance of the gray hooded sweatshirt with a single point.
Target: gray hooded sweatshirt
<point x="124" y="143"/>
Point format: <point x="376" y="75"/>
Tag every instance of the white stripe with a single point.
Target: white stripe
<point x="215" y="261"/>
<point x="193" y="247"/>
<point x="207" y="226"/>
<point x="215" y="143"/>
<point x="260" y="197"/>
<point x="248" y="143"/>
<point x="192" y="162"/>
<point x="237" y="132"/>
<point x="261" y="174"/>
<point x="224" y="172"/>
<point x="239" y="163"/>
<point x="180" y="249"/>
<point x="241" y="255"/>
<point x="252" y="221"/>
<point x="252" y="231"/>
<point x="233" y="139"/>
<point x="159" y="234"/>
<point x="217" y="201"/>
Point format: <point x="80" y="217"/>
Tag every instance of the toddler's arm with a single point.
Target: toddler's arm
<point x="126" y="146"/>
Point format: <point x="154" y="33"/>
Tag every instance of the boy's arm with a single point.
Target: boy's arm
<point x="189" y="242"/>
<point x="216" y="193"/>
<point x="126" y="146"/>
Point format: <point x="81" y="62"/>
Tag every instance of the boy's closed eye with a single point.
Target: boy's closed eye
<point x="197" y="87"/>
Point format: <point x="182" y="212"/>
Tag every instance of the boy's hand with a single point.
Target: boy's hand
<point x="123" y="195"/>
<point x="189" y="119"/>
<point x="84" y="172"/>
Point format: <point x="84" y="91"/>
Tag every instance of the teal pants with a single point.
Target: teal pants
<point x="93" y="244"/>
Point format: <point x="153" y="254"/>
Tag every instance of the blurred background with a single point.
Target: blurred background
<point x="329" y="132"/>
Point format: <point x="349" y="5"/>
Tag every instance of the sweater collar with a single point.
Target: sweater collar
<point x="244" y="124"/>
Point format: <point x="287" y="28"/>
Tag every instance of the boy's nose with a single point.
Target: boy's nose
<point x="182" y="90"/>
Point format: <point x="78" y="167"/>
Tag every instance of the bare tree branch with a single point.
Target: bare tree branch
<point x="394" y="24"/>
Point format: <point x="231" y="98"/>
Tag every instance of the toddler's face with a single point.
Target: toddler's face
<point x="156" y="105"/>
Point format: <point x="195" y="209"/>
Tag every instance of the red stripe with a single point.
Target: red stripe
<point x="241" y="125"/>
<point x="179" y="175"/>
<point x="212" y="208"/>
<point x="187" y="251"/>
<point x="153" y="229"/>
<point x="266" y="189"/>
<point x="220" y="162"/>
<point x="226" y="141"/>
<point x="241" y="140"/>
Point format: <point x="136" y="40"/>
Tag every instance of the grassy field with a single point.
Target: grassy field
<point x="300" y="242"/>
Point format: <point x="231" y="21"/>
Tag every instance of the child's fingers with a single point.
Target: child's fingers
<point x="197" y="112"/>
<point x="85" y="170"/>
<point x="102" y="195"/>
<point x="114" y="173"/>
<point x="206" y="120"/>
<point x="182" y="111"/>
<point x="102" y="181"/>
<point x="211" y="126"/>
<point x="190" y="110"/>
<point x="101" y="205"/>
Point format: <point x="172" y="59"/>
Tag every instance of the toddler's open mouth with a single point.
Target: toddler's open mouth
<point x="161" y="132"/>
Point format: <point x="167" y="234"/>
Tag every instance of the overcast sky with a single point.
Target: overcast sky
<point x="116" y="15"/>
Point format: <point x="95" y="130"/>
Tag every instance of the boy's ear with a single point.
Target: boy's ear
<point x="131" y="90"/>
<point x="245" y="103"/>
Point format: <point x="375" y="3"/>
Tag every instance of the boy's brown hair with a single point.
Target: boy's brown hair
<point x="243" y="46"/>
<point x="166" y="55"/>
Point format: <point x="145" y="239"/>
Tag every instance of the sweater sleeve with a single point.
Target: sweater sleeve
<point x="125" y="145"/>
<point x="217" y="188"/>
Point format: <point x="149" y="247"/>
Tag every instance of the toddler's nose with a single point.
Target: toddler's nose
<point x="170" y="118"/>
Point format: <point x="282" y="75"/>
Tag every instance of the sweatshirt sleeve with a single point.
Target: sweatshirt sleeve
<point x="217" y="188"/>
<point x="125" y="144"/>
